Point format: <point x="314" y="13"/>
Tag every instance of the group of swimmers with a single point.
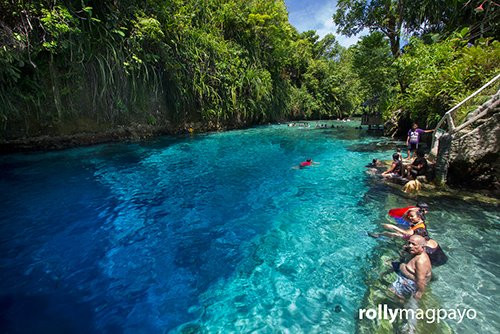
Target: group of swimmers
<point x="320" y="125"/>
<point x="421" y="252"/>
<point x="300" y="124"/>
<point x="418" y="167"/>
<point x="317" y="126"/>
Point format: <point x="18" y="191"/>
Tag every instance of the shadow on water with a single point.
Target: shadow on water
<point x="375" y="146"/>
<point x="51" y="314"/>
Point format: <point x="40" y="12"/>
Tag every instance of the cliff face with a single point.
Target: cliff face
<point x="473" y="159"/>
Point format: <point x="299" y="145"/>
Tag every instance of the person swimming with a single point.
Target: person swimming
<point x="400" y="215"/>
<point x="416" y="222"/>
<point x="307" y="163"/>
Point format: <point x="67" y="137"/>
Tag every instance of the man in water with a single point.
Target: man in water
<point x="414" y="275"/>
<point x="414" y="138"/>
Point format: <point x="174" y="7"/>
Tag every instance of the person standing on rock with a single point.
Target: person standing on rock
<point x="413" y="139"/>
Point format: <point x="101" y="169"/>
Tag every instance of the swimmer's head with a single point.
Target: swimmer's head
<point x="422" y="232"/>
<point x="416" y="244"/>
<point x="415" y="217"/>
<point x="395" y="156"/>
<point x="423" y="206"/>
<point x="308" y="160"/>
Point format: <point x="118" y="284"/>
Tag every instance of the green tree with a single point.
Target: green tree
<point x="386" y="16"/>
<point x="372" y="62"/>
<point x="395" y="17"/>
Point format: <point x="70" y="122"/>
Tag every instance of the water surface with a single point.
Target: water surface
<point x="214" y="233"/>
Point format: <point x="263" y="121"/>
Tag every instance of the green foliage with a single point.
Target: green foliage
<point x="441" y="74"/>
<point x="372" y="62"/>
<point x="223" y="62"/>
<point x="418" y="17"/>
<point x="386" y="16"/>
<point x="59" y="26"/>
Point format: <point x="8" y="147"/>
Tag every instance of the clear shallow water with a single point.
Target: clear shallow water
<point x="469" y="233"/>
<point x="211" y="233"/>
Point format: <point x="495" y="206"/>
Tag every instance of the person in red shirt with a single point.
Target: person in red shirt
<point x="308" y="162"/>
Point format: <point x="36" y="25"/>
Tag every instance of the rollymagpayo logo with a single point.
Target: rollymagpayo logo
<point x="431" y="315"/>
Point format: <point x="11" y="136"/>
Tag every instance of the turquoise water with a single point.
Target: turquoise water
<point x="211" y="233"/>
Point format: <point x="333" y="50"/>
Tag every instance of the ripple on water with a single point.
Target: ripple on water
<point x="217" y="233"/>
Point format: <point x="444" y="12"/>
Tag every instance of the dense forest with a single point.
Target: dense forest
<point x="72" y="66"/>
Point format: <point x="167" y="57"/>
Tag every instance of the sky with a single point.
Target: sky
<point x="316" y="15"/>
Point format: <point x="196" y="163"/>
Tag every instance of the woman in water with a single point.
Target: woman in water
<point x="436" y="254"/>
<point x="416" y="222"/>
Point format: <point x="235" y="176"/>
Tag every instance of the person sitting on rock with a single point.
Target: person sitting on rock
<point x="396" y="169"/>
<point x="419" y="166"/>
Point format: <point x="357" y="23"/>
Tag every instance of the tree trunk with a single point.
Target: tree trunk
<point x="55" y="87"/>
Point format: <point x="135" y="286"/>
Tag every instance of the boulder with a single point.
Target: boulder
<point x="473" y="159"/>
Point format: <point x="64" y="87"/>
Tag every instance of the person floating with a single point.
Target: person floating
<point x="400" y="215"/>
<point x="374" y="163"/>
<point x="413" y="139"/>
<point x="396" y="169"/>
<point x="308" y="162"/>
<point x="416" y="221"/>
<point x="414" y="275"/>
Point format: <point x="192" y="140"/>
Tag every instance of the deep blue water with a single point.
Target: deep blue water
<point x="207" y="233"/>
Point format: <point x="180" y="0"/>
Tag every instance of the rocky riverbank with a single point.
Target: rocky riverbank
<point x="121" y="133"/>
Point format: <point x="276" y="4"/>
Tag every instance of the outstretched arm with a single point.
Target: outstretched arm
<point x="397" y="229"/>
<point x="390" y="169"/>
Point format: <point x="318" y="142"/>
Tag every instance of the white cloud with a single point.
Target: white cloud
<point x="320" y="18"/>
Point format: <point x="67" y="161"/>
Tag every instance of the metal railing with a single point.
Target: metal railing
<point x="448" y="117"/>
